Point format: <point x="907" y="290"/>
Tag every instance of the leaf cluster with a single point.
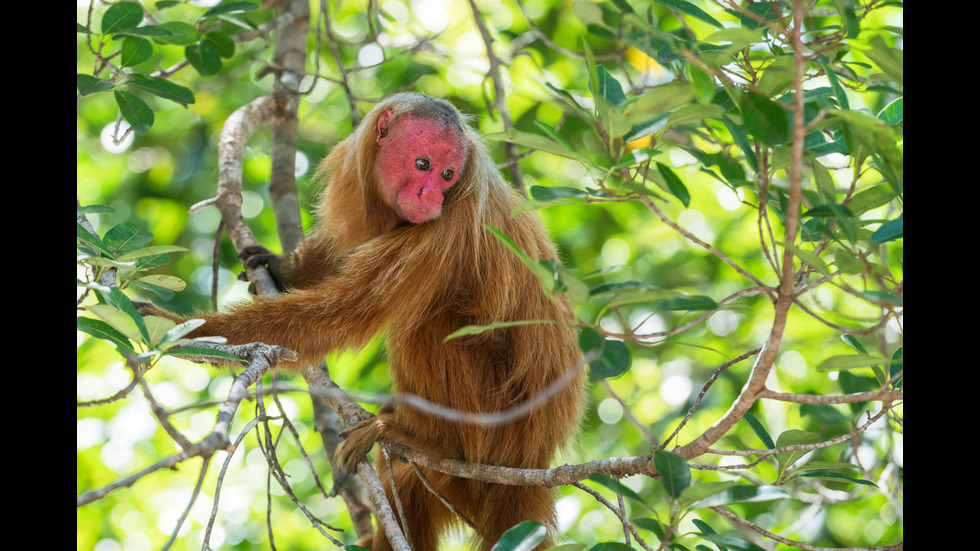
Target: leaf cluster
<point x="123" y="45"/>
<point x="117" y="260"/>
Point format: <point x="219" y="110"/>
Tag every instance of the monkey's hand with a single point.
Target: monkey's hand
<point x="256" y="256"/>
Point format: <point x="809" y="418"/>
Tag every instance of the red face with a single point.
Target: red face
<point x="419" y="160"/>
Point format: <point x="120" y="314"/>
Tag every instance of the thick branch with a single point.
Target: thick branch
<point x="290" y="59"/>
<point x="755" y="386"/>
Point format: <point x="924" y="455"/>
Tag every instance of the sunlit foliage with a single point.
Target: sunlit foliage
<point x="656" y="141"/>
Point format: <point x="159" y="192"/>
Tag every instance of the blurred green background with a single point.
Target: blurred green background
<point x="435" y="46"/>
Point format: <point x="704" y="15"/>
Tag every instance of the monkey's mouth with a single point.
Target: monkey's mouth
<point x="418" y="202"/>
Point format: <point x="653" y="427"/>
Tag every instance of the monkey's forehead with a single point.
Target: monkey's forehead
<point x="429" y="136"/>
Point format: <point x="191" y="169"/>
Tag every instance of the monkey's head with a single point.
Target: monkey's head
<point x="419" y="159"/>
<point x="421" y="152"/>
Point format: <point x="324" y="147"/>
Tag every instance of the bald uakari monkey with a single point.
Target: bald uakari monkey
<point x="402" y="247"/>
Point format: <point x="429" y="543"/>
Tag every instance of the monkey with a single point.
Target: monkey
<point x="402" y="247"/>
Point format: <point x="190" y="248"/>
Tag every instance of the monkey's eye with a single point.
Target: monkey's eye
<point x="447" y="174"/>
<point x="422" y="164"/>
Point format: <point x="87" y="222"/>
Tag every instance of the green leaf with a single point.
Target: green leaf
<point x="157" y="328"/>
<point x="834" y="477"/>
<point x="852" y="341"/>
<point x="200" y="352"/>
<point x="764" y="119"/>
<point x="674" y="472"/>
<point x="674" y="184"/>
<point x="741" y="494"/>
<point x="690" y="9"/>
<point x="647" y="110"/>
<point x="87" y="84"/>
<point x="764" y="10"/>
<point x="871" y="198"/>
<point x="118" y="320"/>
<point x="91" y="240"/>
<point x="811" y="259"/>
<point x="650" y="524"/>
<point x="180" y="33"/>
<point x="539" y="142"/>
<point x="825" y="470"/>
<point x="223" y="44"/>
<point x="693" y="113"/>
<point x="897" y="364"/>
<point x="149" y="251"/>
<point x="178" y="331"/>
<point x="609" y="88"/>
<point x="842" y="362"/>
<point x="741" y="139"/>
<point x="136" y="112"/>
<point x="162" y="292"/>
<point x="828" y="211"/>
<point x="703" y="526"/>
<point x="522" y="537"/>
<point x="848" y="262"/>
<point x="121" y="16"/>
<point x="168" y="282"/>
<point x="702" y="83"/>
<point x="230" y="7"/>
<point x="839" y="93"/>
<point x="777" y="76"/>
<point x="889" y="231"/>
<point x="612" y="357"/>
<point x="94" y="209"/>
<point x="793" y="437"/>
<point x="126" y="238"/>
<point x="732" y="542"/>
<point x="204" y="57"/>
<point x="699" y="302"/>
<point x="568" y="284"/>
<point x="146" y="31"/>
<point x="867" y="136"/>
<point x="162" y="88"/>
<point x="704" y="490"/>
<point x="825" y="466"/>
<point x="545" y="276"/>
<point x="115" y="298"/>
<point x="478" y="329"/>
<point x="618" y="487"/>
<point x="890" y="60"/>
<point x="893" y="114"/>
<point x="102" y="330"/>
<point x="759" y="429"/>
<point x="145" y="263"/>
<point x="550" y="193"/>
<point x="611" y="546"/>
<point x="134" y="51"/>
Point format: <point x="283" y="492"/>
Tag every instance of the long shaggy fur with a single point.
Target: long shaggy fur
<point x="364" y="271"/>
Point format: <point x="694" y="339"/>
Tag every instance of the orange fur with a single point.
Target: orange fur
<point x="364" y="271"/>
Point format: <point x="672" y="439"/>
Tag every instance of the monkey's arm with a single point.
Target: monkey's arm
<point x="389" y="278"/>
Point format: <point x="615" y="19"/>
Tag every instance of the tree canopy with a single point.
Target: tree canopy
<point x="724" y="181"/>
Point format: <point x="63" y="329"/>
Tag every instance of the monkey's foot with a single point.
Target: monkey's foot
<point x="358" y="441"/>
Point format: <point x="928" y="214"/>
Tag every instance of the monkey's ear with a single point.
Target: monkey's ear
<point x="383" y="121"/>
